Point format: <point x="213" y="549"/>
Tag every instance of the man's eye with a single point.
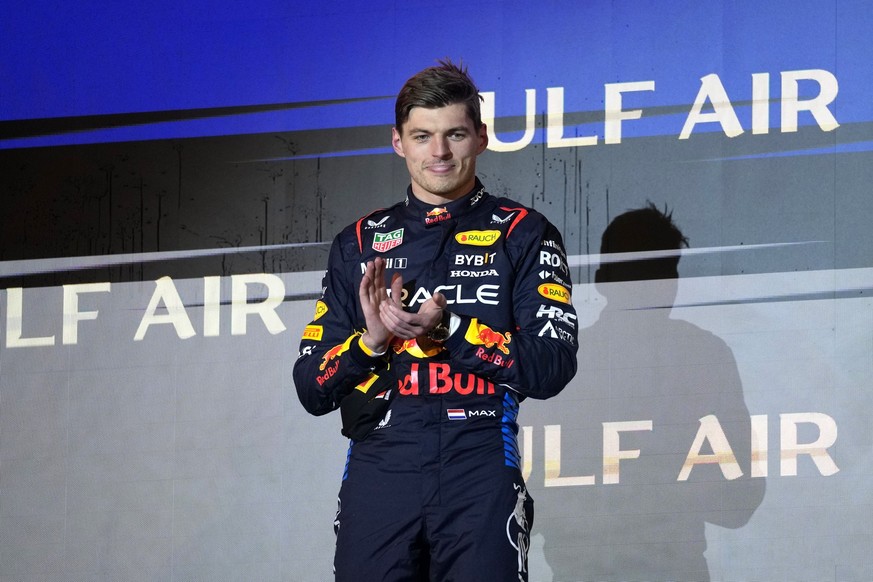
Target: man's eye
<point x="458" y="136"/>
<point x="420" y="137"/>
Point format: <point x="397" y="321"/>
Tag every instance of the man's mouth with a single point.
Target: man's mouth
<point x="440" y="168"/>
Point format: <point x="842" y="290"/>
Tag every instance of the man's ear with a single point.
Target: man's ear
<point x="396" y="142"/>
<point x="483" y="139"/>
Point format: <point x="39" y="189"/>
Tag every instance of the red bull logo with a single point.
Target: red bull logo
<point x="440" y="380"/>
<point x="411" y="347"/>
<point x="494" y="358"/>
<point x="482" y="335"/>
<point x="329" y="355"/>
<point x="335" y="352"/>
<point x="328" y="374"/>
<point x="437" y="215"/>
<point x="403" y="346"/>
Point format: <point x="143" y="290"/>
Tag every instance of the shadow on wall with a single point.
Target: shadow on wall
<point x="654" y="427"/>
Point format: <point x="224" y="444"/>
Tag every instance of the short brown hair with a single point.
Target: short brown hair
<point x="438" y="86"/>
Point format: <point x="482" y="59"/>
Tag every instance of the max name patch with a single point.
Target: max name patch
<point x="478" y="238"/>
<point x="555" y="293"/>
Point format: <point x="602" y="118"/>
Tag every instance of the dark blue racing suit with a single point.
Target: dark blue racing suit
<point x="434" y="491"/>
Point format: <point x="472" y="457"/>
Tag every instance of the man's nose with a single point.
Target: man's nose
<point x="440" y="148"/>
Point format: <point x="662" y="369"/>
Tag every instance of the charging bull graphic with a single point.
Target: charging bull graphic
<point x="482" y="335"/>
<point x="335" y="352"/>
<point x="412" y="348"/>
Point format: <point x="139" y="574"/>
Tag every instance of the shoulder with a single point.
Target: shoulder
<point x="529" y="235"/>
<point x="522" y="222"/>
<point x="357" y="236"/>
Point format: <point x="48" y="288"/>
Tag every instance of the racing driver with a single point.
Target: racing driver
<point x="439" y="315"/>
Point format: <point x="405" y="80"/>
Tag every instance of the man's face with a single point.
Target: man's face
<point x="440" y="147"/>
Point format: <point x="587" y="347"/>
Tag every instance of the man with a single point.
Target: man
<point x="429" y="367"/>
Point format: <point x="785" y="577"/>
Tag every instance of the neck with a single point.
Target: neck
<point x="440" y="199"/>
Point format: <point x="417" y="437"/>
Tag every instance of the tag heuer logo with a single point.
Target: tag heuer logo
<point x="385" y="241"/>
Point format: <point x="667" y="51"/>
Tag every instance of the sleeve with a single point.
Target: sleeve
<point x="538" y="358"/>
<point x="332" y="360"/>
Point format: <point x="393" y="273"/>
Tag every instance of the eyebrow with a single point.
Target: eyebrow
<point x="449" y="130"/>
